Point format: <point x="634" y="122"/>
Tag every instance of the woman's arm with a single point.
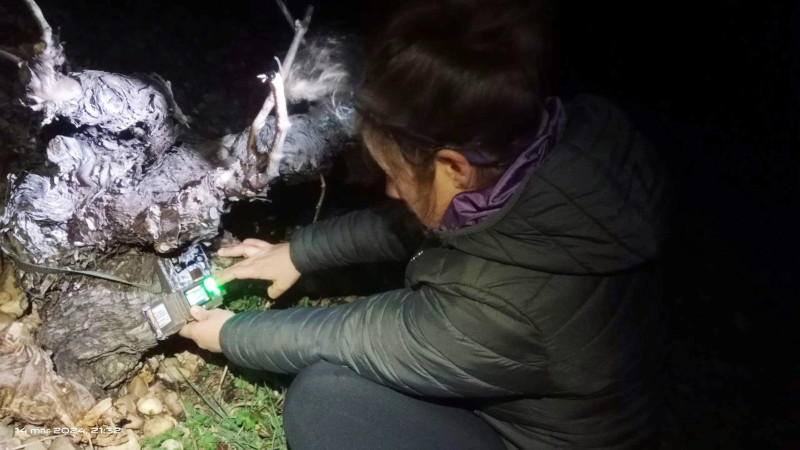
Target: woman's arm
<point x="429" y="341"/>
<point x="388" y="232"/>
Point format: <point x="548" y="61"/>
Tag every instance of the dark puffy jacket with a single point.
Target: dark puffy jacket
<point x="548" y="314"/>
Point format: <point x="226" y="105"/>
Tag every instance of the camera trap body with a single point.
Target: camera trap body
<point x="186" y="281"/>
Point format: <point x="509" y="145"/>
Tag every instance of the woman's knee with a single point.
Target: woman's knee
<point x="313" y="391"/>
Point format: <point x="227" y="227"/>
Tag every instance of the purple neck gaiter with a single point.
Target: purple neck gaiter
<point x="471" y="207"/>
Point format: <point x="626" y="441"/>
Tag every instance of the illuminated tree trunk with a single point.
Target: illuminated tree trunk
<point x="121" y="178"/>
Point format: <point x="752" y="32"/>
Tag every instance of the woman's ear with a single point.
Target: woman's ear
<point x="456" y="169"/>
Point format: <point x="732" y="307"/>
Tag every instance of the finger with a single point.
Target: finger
<point x="198" y="313"/>
<point x="224" y="276"/>
<point x="257" y="243"/>
<point x="242" y="271"/>
<point x="275" y="291"/>
<point x="233" y="272"/>
<point x="238" y="250"/>
<point x="188" y="330"/>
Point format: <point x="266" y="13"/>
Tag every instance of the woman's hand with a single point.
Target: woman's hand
<point x="205" y="332"/>
<point x="263" y="261"/>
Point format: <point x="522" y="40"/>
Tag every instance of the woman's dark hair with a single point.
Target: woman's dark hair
<point x="468" y="75"/>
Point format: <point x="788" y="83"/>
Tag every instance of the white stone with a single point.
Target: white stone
<point x="62" y="443"/>
<point x="34" y="443"/>
<point x="171" y="444"/>
<point x="149" y="405"/>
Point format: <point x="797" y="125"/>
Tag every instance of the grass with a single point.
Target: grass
<point x="233" y="412"/>
<point x="251" y="419"/>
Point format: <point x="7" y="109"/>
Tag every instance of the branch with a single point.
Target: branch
<point x="47" y="32"/>
<point x="282" y="125"/>
<point x="11" y="57"/>
<point x="166" y="88"/>
<point x="300" y="29"/>
<point x="285" y="11"/>
<point x="258" y="124"/>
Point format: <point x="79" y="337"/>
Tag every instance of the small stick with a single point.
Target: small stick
<point x="224" y="372"/>
<point x="277" y="97"/>
<point x="11" y="57"/>
<point x="300" y="29"/>
<point x="47" y="32"/>
<point x="321" y="197"/>
<point x="282" y="125"/>
<point x="261" y="118"/>
<point x="285" y="11"/>
<point x="258" y="124"/>
<point x="170" y="98"/>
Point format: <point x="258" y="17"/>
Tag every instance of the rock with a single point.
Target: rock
<point x="8" y="444"/>
<point x="173" y="403"/>
<point x="131" y="444"/>
<point x="93" y="415"/>
<point x="158" y="425"/>
<point x="147" y="373"/>
<point x="171" y="444"/>
<point x="34" y="443"/>
<point x="23" y="433"/>
<point x="190" y="361"/>
<point x="6" y="431"/>
<point x="172" y="371"/>
<point x="154" y="361"/>
<point x="126" y="404"/>
<point x="62" y="443"/>
<point x="137" y="387"/>
<point x="149" y="405"/>
<point x="135" y="421"/>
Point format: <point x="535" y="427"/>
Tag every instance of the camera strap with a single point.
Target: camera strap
<point x="153" y="288"/>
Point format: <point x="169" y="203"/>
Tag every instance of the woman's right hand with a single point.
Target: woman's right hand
<point x="263" y="261"/>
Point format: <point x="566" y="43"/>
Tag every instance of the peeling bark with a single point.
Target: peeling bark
<point x="123" y="176"/>
<point x="29" y="388"/>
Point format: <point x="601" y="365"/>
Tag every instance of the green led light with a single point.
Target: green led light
<point x="211" y="286"/>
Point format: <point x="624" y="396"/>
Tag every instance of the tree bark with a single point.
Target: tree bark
<point x="122" y="179"/>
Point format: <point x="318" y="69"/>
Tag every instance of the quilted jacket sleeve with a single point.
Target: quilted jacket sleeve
<point x="430" y="341"/>
<point x="388" y="232"/>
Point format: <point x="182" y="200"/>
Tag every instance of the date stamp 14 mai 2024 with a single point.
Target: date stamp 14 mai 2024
<point x="47" y="431"/>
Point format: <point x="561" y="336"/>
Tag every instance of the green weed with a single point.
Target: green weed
<point x="254" y="423"/>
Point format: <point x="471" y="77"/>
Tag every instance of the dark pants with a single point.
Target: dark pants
<point x="332" y="407"/>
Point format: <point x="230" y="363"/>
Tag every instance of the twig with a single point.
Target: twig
<point x="282" y="125"/>
<point x="276" y="97"/>
<point x="11" y="57"/>
<point x="170" y="97"/>
<point x="242" y="405"/>
<point x="285" y="11"/>
<point x="321" y="197"/>
<point x="258" y="124"/>
<point x="224" y="372"/>
<point x="47" y="32"/>
<point x="300" y="29"/>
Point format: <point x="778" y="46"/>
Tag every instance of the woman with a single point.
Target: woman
<point x="531" y="312"/>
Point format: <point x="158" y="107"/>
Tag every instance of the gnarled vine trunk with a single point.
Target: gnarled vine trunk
<point x="124" y="178"/>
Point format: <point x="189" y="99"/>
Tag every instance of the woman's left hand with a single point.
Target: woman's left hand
<point x="205" y="331"/>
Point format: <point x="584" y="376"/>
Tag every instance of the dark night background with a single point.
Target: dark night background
<point x="710" y="83"/>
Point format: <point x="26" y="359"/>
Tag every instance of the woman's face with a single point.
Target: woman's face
<point x="452" y="175"/>
<point x="418" y="200"/>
